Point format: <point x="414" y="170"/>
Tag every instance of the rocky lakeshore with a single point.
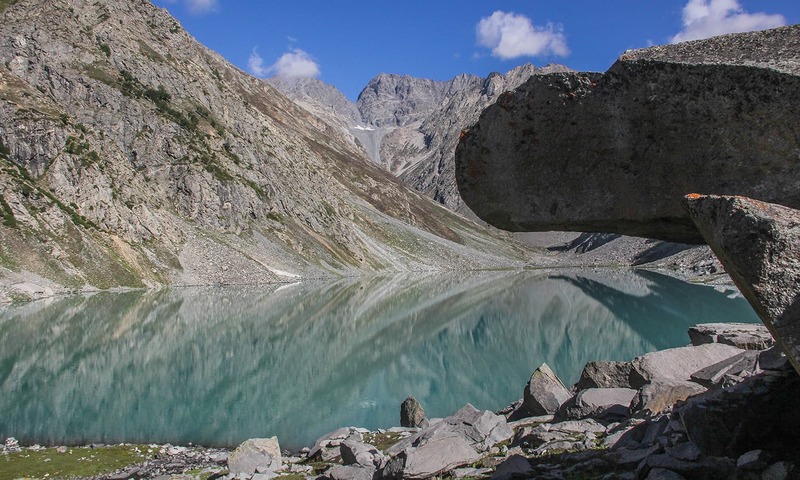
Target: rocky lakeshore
<point x="721" y="407"/>
<point x="193" y="173"/>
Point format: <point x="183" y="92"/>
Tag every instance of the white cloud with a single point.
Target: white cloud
<point x="296" y="63"/>
<point x="293" y="64"/>
<point x="256" y="64"/>
<point x="199" y="6"/>
<point x="510" y="35"/>
<point x="707" y="18"/>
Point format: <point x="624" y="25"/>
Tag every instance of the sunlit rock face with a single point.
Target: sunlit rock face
<point x="616" y="152"/>
<point x="219" y="365"/>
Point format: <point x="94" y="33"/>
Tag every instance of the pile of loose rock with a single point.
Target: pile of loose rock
<point x="716" y="409"/>
<point x="168" y="460"/>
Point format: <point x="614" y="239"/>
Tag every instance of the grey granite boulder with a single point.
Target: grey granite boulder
<point x="680" y="363"/>
<point x="437" y="455"/>
<point x="255" y="454"/>
<point x="513" y="467"/>
<point x="753" y="460"/>
<point x="779" y="471"/>
<point x="412" y="414"/>
<point x="363" y="454"/>
<point x="749" y="336"/>
<point x="608" y="374"/>
<point x="703" y="468"/>
<point x="758" y="243"/>
<point x="327" y="447"/>
<point x="664" y="474"/>
<point x="616" y="152"/>
<point x="599" y="403"/>
<point x="452" y="442"/>
<point x="350" y="472"/>
<point x="734" y="368"/>
<point x="773" y="359"/>
<point x="661" y="395"/>
<point x="544" y="393"/>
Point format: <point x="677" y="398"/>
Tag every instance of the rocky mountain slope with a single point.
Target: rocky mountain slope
<point x="415" y="138"/>
<point x="323" y="100"/>
<point x="132" y="155"/>
<point x="410" y="125"/>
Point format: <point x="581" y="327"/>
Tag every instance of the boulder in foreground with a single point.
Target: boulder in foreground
<point x="758" y="243"/>
<point x="256" y="455"/>
<point x="544" y="393"/>
<point x="452" y="442"/>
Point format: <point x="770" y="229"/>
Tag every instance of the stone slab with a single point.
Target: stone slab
<point x="758" y="243"/>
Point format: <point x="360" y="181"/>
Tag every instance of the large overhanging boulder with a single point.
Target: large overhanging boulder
<point x="758" y="243"/>
<point x="616" y="152"/>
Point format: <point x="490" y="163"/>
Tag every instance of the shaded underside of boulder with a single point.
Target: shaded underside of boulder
<point x="609" y="374"/>
<point x="609" y="404"/>
<point x="758" y="243"/>
<point x="759" y="413"/>
<point x="616" y="152"/>
<point x="662" y="395"/>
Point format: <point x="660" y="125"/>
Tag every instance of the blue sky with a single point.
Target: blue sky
<point x="346" y="43"/>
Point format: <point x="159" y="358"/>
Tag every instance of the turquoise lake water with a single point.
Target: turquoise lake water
<point x="217" y="365"/>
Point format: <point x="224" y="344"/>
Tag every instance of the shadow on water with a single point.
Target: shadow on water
<point x="214" y="366"/>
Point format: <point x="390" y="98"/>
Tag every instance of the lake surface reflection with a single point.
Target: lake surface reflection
<point x="217" y="365"/>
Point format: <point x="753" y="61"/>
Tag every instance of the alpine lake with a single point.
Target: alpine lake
<point x="217" y="365"/>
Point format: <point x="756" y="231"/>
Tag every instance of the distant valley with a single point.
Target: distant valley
<point x="411" y="126"/>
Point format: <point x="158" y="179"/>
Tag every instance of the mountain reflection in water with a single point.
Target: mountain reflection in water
<point x="216" y="365"/>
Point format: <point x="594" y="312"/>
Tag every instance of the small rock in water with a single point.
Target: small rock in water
<point x="412" y="414"/>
